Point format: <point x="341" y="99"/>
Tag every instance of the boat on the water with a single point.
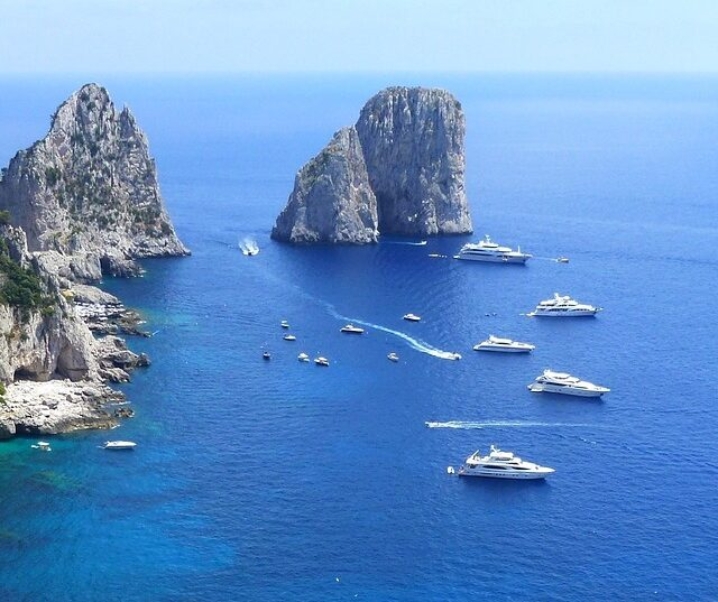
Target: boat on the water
<point x="303" y="357"/>
<point x="266" y="355"/>
<point x="394" y="357"/>
<point x="565" y="384"/>
<point x="412" y="318"/>
<point x="289" y="337"/>
<point x="119" y="445"/>
<point x="563" y="306"/>
<point x="42" y="446"/>
<point x="284" y="324"/>
<point x="562" y="259"/>
<point x="502" y="465"/>
<point x="351" y="329"/>
<point x="504" y="345"/>
<point x="489" y="251"/>
<point x="321" y="361"/>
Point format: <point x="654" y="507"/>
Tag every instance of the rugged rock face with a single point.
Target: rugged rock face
<point x="332" y="201"/>
<point x="413" y="143"/>
<point x="400" y="170"/>
<point x="89" y="191"/>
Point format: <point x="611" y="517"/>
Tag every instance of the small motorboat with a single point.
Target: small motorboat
<point x="351" y="329"/>
<point x="412" y="317"/>
<point x="393" y="357"/>
<point x="42" y="446"/>
<point x="266" y="355"/>
<point x="289" y="337"/>
<point x="284" y="324"/>
<point x="303" y="357"/>
<point x="321" y="361"/>
<point x="455" y="356"/>
<point x="119" y="445"/>
<point x="562" y="259"/>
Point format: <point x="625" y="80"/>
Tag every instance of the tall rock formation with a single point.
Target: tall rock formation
<point x="332" y="201"/>
<point x="89" y="190"/>
<point x="405" y="176"/>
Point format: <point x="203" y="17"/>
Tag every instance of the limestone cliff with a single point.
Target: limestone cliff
<point x="331" y="201"/>
<point x="89" y="190"/>
<point x="399" y="170"/>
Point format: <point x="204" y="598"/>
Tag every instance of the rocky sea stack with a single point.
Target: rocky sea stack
<point x="399" y="170"/>
<point x="78" y="204"/>
<point x="89" y="191"/>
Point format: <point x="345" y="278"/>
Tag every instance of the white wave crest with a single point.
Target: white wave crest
<point x="464" y="424"/>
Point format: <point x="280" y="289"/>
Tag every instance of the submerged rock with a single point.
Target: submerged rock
<point x="399" y="170"/>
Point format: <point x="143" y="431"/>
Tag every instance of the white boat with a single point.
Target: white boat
<point x="119" y="445"/>
<point x="266" y="355"/>
<point x="502" y="465"/>
<point x="351" y="329"/>
<point x="488" y="250"/>
<point x="284" y="324"/>
<point x="42" y="446"/>
<point x="563" y="306"/>
<point x="321" y="361"/>
<point x="504" y="345"/>
<point x="562" y="259"/>
<point x="303" y="357"/>
<point x="412" y="318"/>
<point x="565" y="384"/>
<point x="393" y="357"/>
<point x="289" y="337"/>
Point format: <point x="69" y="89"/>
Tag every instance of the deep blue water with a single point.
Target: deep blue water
<point x="278" y="480"/>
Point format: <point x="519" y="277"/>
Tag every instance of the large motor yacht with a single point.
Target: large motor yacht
<point x="504" y="345"/>
<point x="502" y="465"/>
<point x="563" y="306"/>
<point x="561" y="382"/>
<point x="488" y="250"/>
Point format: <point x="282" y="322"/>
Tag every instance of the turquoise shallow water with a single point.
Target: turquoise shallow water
<point x="278" y="480"/>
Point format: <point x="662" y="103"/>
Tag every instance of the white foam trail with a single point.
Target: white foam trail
<point x="464" y="424"/>
<point x="249" y="246"/>
<point x="417" y="344"/>
<point x="405" y="242"/>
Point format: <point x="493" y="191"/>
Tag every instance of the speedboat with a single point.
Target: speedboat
<point x="488" y="250"/>
<point x="564" y="306"/>
<point x="562" y="259"/>
<point x="562" y="382"/>
<point x="351" y="329"/>
<point x="506" y="345"/>
<point x="284" y="324"/>
<point x="412" y="317"/>
<point x="303" y="357"/>
<point x="119" y="445"/>
<point x="393" y="357"/>
<point x="42" y="446"/>
<point x="266" y="355"/>
<point x="289" y="337"/>
<point x="502" y="465"/>
<point x="321" y="361"/>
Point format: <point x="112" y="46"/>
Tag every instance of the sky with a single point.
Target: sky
<point x="239" y="36"/>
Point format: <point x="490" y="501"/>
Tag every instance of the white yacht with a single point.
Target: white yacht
<point x="284" y="324"/>
<point x="393" y="357"/>
<point x="502" y="465"/>
<point x="563" y="306"/>
<point x="412" y="318"/>
<point x="289" y="337"/>
<point x="303" y="357"/>
<point x="321" y="361"/>
<point x="504" y="345"/>
<point x="351" y="329"/>
<point x="488" y="250"/>
<point x="119" y="445"/>
<point x="562" y="382"/>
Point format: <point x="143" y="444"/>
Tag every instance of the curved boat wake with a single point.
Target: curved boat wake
<point x="421" y="243"/>
<point x="464" y="424"/>
<point x="248" y="246"/>
<point x="416" y="344"/>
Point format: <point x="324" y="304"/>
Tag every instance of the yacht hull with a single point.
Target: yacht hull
<point x="503" y="349"/>
<point x="517" y="476"/>
<point x="539" y="388"/>
<point x="579" y="313"/>
<point x="490" y="259"/>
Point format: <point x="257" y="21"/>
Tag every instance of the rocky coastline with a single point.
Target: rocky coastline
<point x="79" y="204"/>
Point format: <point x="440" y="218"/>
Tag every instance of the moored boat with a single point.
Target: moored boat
<point x="303" y="357"/>
<point x="504" y="345"/>
<point x="565" y="384"/>
<point x="502" y="465"/>
<point x="489" y="251"/>
<point x="394" y="357"/>
<point x="321" y="361"/>
<point x="119" y="445"/>
<point x="412" y="317"/>
<point x="563" y="306"/>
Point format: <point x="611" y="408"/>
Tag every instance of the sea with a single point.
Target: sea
<point x="280" y="480"/>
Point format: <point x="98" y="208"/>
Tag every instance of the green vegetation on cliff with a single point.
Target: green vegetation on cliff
<point x="21" y="287"/>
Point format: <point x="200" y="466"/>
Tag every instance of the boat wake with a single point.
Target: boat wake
<point x="421" y="243"/>
<point x="463" y="424"/>
<point x="248" y="246"/>
<point x="414" y="343"/>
